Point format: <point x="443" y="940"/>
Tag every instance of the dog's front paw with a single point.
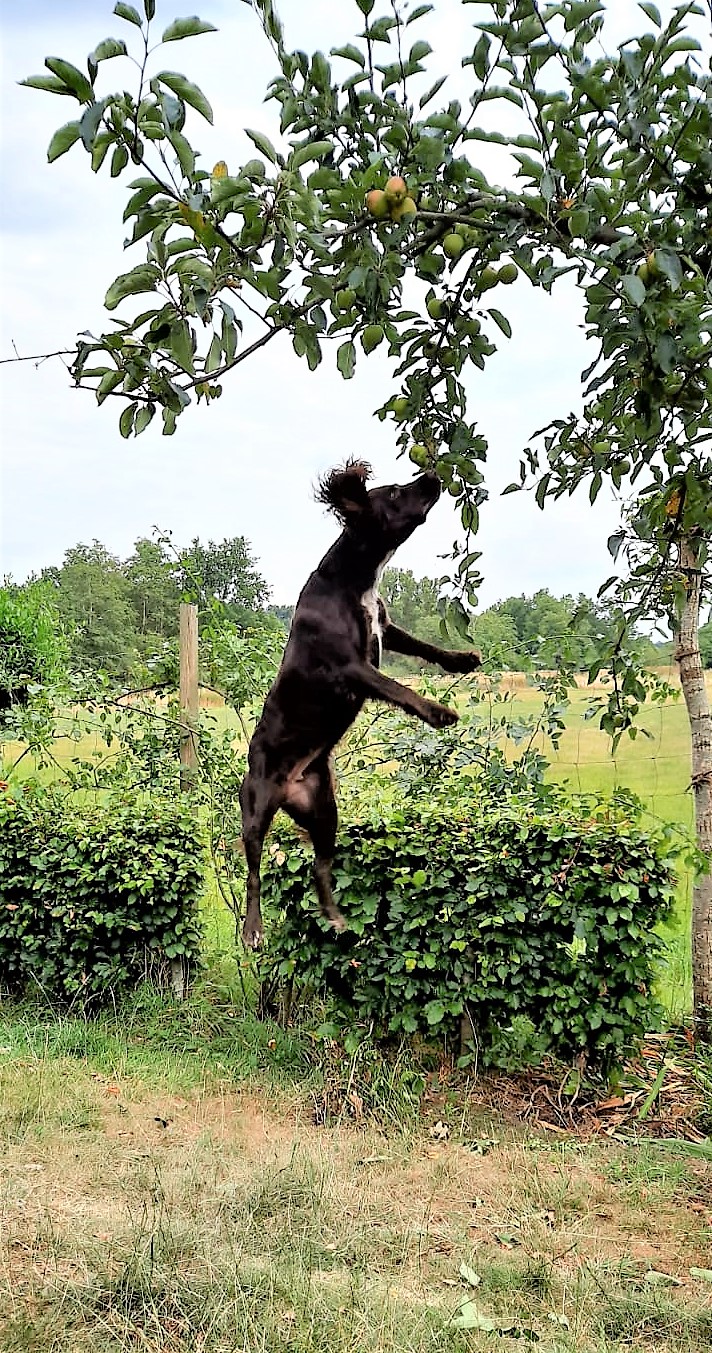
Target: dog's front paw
<point x="440" y="716"/>
<point x="468" y="661"/>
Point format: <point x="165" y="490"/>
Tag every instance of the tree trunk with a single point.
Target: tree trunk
<point x="694" y="690"/>
<point x="189" y="709"/>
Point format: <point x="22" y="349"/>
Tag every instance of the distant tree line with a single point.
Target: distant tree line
<point x="522" y="632"/>
<point x="541" y="631"/>
<point x="121" y="615"/>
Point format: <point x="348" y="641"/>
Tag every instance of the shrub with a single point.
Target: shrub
<point x="32" y="647"/>
<point x="92" y="897"/>
<point x="500" y="915"/>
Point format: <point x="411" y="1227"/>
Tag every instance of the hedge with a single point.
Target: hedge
<point x="93" y="899"/>
<point x="496" y="915"/>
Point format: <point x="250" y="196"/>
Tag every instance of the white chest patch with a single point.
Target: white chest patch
<point x="369" y="601"/>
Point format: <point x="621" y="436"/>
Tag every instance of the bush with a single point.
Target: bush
<point x="32" y="647"/>
<point x="500" y="915"/>
<point x="93" y="899"/>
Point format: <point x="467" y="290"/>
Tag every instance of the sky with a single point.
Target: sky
<point x="247" y="464"/>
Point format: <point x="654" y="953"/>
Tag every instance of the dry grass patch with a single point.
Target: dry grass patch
<point x="218" y="1220"/>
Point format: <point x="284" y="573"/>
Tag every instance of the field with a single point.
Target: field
<point x="187" y="1179"/>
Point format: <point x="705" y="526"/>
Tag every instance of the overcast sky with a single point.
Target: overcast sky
<point x="246" y="465"/>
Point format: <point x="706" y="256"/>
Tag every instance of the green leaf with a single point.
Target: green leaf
<point x="469" y="1275"/>
<point x="126" y="420"/>
<point x="704" y="1273"/>
<point x="185" y="153"/>
<point x="143" y="418"/>
<point x="72" y="77"/>
<point x="346" y="360"/>
<point x="62" y="140"/>
<point x="315" y="150"/>
<point x="579" y="222"/>
<point x="107" y="49"/>
<point x="50" y="83"/>
<point x="653" y="13"/>
<point x="350" y="53"/>
<point x="108" y="383"/>
<point x="264" y="144"/>
<point x="682" y="45"/>
<point x="634" y="288"/>
<point x="668" y="263"/>
<point x="141" y="279"/>
<point x="471" y="1318"/>
<point x="657" y="1278"/>
<point x="501" y="321"/>
<point x="435" y="1012"/>
<point x="418" y="51"/>
<point x="128" y="13"/>
<point x="99" y="150"/>
<point x="119" y="161"/>
<point x="89" y="124"/>
<point x="181" y="346"/>
<point x="542" y="489"/>
<point x="430" y="93"/>
<point x="186" y="28"/>
<point x="187" y="91"/>
<point x="470" y="517"/>
<point x="480" y="57"/>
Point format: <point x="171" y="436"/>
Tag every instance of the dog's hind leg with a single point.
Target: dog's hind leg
<point x="258" y="806"/>
<point x="311" y="803"/>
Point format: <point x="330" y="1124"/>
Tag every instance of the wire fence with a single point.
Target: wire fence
<point x="655" y="765"/>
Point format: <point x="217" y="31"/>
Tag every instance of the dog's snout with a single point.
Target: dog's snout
<point x="430" y="485"/>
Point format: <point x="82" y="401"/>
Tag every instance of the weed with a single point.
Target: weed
<point x="656" y="1319"/>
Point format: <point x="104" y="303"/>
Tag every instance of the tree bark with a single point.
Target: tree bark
<point x="692" y="680"/>
<point x="189" y="708"/>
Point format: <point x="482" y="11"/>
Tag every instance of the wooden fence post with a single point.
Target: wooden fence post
<point x="189" y="708"/>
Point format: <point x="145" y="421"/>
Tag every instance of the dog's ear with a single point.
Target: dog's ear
<point x="344" y="491"/>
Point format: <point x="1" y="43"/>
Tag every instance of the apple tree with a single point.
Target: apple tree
<point x="363" y="221"/>
<point x="625" y="149"/>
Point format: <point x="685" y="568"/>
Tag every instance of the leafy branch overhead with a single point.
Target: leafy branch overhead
<point x="370" y="225"/>
<point x="306" y="238"/>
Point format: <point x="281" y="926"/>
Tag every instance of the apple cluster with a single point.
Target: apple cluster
<point x="392" y="202"/>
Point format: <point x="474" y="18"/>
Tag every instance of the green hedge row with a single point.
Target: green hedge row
<point x="548" y="915"/>
<point x="93" y="899"/>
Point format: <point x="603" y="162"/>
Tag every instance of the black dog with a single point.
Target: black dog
<point x="329" y="668"/>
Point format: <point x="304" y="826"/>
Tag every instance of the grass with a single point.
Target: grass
<point x="164" y="1188"/>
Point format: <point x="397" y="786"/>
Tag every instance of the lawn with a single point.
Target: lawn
<point x="167" y="1187"/>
